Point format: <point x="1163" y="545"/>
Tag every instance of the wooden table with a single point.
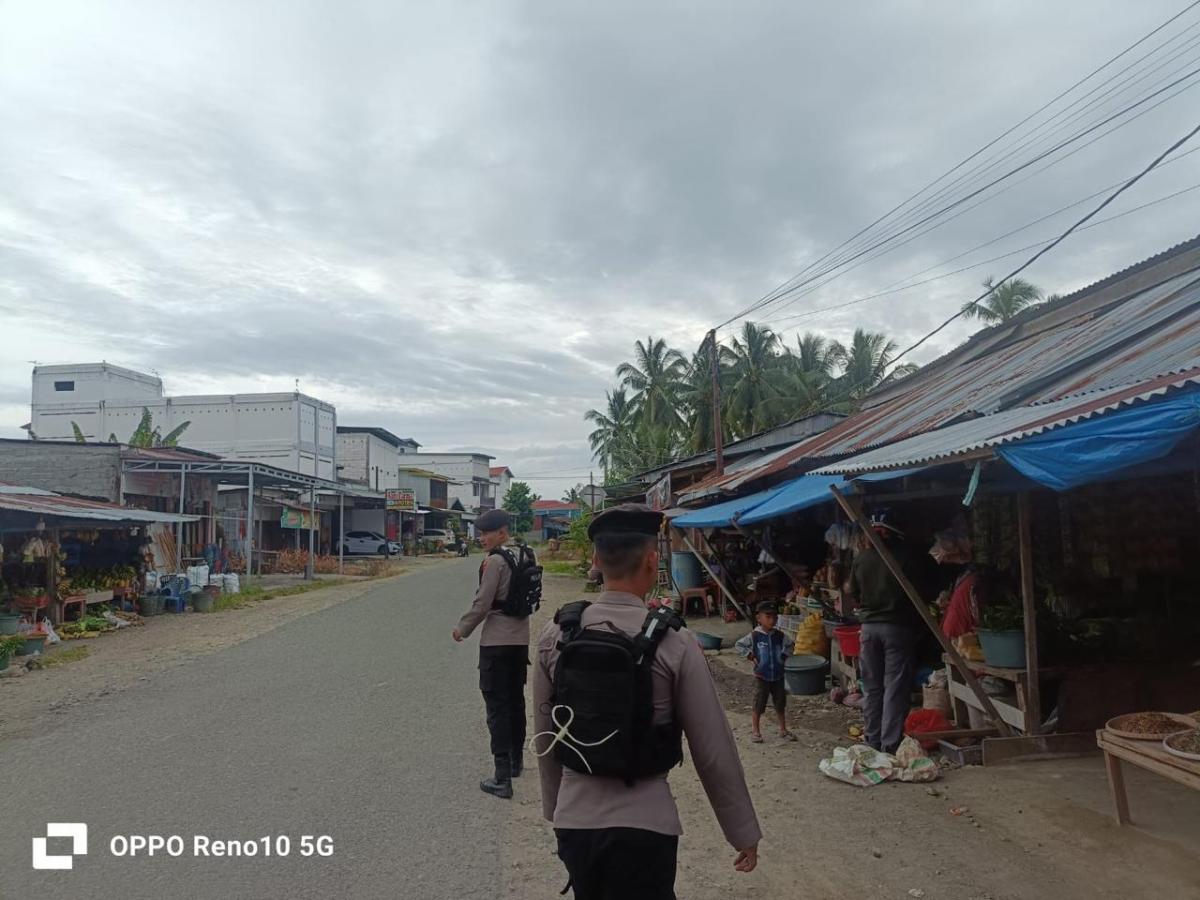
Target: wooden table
<point x="1148" y="755"/>
<point x="1015" y="714"/>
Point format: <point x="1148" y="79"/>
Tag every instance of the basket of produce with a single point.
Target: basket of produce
<point x="1148" y="726"/>
<point x="1185" y="744"/>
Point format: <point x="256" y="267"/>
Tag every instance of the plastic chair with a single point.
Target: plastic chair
<point x="174" y="591"/>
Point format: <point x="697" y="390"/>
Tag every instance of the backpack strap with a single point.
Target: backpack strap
<point x="507" y="556"/>
<point x="655" y="627"/>
<point x="569" y="619"/>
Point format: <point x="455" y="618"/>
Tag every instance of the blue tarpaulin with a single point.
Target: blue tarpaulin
<point x="1091" y="450"/>
<point x="801" y="493"/>
<point x="719" y="515"/>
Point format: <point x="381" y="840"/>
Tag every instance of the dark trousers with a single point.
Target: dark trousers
<point x="619" y="863"/>
<point x="502" y="673"/>
<point x="888" y="661"/>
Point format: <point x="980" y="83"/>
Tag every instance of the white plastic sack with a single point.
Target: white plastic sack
<point x="864" y="766"/>
<point x="51" y="635"/>
<point x="114" y="620"/>
<point x="197" y="575"/>
<point x="232" y="585"/>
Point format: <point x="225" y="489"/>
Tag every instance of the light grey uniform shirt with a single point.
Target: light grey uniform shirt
<point x="683" y="690"/>
<point x="498" y="630"/>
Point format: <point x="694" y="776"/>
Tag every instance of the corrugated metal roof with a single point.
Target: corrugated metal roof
<point x="34" y="501"/>
<point x="1126" y="339"/>
<point x="1005" y="426"/>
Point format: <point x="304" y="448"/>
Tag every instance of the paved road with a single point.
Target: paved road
<point x="362" y="722"/>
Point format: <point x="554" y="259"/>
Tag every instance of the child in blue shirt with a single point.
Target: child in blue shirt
<point x="768" y="647"/>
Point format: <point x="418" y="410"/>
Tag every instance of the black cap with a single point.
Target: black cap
<point x="767" y="606"/>
<point x="493" y="520"/>
<point x="628" y="518"/>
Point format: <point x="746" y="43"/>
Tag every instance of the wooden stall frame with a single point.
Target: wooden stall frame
<point x="728" y="593"/>
<point x="1033" y="691"/>
<point x="853" y="508"/>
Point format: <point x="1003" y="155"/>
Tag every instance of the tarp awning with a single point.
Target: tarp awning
<point x="1093" y="449"/>
<point x="795" y="495"/>
<point x="718" y="515"/>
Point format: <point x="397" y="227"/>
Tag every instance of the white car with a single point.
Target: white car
<point x="368" y="542"/>
<point x="439" y="537"/>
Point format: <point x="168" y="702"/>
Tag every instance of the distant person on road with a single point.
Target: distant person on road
<point x="503" y="656"/>
<point x="890" y="633"/>
<point x="615" y="687"/>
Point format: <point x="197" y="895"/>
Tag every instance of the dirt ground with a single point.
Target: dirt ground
<point x="1029" y="830"/>
<point x="117" y="659"/>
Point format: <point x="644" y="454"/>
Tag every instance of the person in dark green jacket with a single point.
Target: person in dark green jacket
<point x="890" y="633"/>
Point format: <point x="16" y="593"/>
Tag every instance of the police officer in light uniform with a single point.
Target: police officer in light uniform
<point x="619" y="839"/>
<point x="503" y="655"/>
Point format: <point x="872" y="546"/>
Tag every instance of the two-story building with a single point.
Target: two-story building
<point x="471" y="484"/>
<point x="372" y="456"/>
<point x="100" y="402"/>
<point x="502" y="478"/>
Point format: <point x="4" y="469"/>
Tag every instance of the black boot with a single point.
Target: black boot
<point x="501" y="784"/>
<point x="517" y="763"/>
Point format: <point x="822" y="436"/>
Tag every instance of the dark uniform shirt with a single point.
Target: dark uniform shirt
<point x="879" y="594"/>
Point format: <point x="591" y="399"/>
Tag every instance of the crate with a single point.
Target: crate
<point x="970" y="755"/>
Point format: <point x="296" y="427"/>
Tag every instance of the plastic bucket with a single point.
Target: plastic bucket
<point x="805" y="674"/>
<point x="848" y="639"/>
<point x="1003" y="649"/>
<point x="203" y="602"/>
<point x="151" y="605"/>
<point x="33" y="645"/>
<point x="9" y="623"/>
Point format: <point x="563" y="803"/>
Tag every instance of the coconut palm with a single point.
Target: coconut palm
<point x="696" y="395"/>
<point x="654" y="377"/>
<point x="1004" y="301"/>
<point x="865" y="363"/>
<point x="816" y="354"/>
<point x="613" y="426"/>
<point x="755" y="398"/>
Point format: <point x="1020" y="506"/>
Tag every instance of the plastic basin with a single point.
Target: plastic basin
<point x="805" y="674"/>
<point x="708" y="641"/>
<point x="1003" y="649"/>
<point x="848" y="638"/>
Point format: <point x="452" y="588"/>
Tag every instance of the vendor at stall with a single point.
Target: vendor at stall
<point x="952" y="547"/>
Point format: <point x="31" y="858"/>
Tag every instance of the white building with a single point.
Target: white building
<point x="502" y="478"/>
<point x="372" y="456"/>
<point x="470" y="473"/>
<point x="290" y="430"/>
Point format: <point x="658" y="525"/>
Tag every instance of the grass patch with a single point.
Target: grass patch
<point x="62" y="657"/>
<point x="562" y="567"/>
<point x="254" y="593"/>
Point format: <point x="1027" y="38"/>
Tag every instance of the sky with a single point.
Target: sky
<point x="454" y="220"/>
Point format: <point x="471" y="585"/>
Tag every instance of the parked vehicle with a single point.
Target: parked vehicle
<point x="371" y="542"/>
<point x="439" y="537"/>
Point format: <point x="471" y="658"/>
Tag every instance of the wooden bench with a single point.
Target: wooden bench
<point x="1148" y="755"/>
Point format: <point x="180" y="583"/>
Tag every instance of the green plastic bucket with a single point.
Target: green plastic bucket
<point x="1003" y="649"/>
<point x="9" y="623"/>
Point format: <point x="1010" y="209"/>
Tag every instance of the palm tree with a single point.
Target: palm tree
<point x="696" y="394"/>
<point x="613" y="427"/>
<point x="865" y="365"/>
<point x="808" y="373"/>
<point x="816" y="354"/>
<point x="754" y="400"/>
<point x="1004" y="301"/>
<point x="572" y="496"/>
<point x="655" y="377"/>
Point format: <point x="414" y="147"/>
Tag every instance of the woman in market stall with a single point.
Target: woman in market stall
<point x="952" y="547"/>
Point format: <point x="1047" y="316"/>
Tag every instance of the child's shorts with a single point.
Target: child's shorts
<point x="772" y="689"/>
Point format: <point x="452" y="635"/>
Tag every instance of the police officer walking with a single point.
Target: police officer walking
<point x="606" y="738"/>
<point x="503" y="655"/>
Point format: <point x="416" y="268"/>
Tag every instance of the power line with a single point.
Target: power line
<point x="1058" y="240"/>
<point x="767" y="298"/>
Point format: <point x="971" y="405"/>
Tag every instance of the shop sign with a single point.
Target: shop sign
<point x="295" y="518"/>
<point x="402" y="499"/>
<point x="659" y="496"/>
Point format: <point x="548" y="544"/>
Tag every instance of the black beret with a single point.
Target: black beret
<point x="493" y="520"/>
<point x="628" y="518"/>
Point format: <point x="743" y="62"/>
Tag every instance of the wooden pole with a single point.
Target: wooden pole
<point x="853" y="508"/>
<point x="718" y="435"/>
<point x="1033" y="689"/>
<point x="728" y="594"/>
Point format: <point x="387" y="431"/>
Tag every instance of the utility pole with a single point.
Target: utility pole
<point x="718" y="439"/>
<point x="591" y="489"/>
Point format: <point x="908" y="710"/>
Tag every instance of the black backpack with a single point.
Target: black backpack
<point x="602" y="685"/>
<point x="524" y="586"/>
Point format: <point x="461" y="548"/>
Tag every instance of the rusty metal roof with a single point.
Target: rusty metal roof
<point x="35" y="501"/>
<point x="1121" y="332"/>
<point x="1005" y="426"/>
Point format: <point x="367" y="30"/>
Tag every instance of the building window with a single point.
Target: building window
<point x="64" y="385"/>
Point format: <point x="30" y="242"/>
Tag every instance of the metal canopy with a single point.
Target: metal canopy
<point x="239" y="473"/>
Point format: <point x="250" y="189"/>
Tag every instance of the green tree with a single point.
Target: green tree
<point x="754" y="398"/>
<point x="573" y="496"/>
<point x="865" y="363"/>
<point x="147" y="434"/>
<point x="696" y="398"/>
<point x="519" y="502"/>
<point x="613" y="427"/>
<point x="655" y="378"/>
<point x="1004" y="302"/>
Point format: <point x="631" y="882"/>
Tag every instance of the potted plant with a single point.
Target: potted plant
<point x="9" y="645"/>
<point x="1002" y="634"/>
